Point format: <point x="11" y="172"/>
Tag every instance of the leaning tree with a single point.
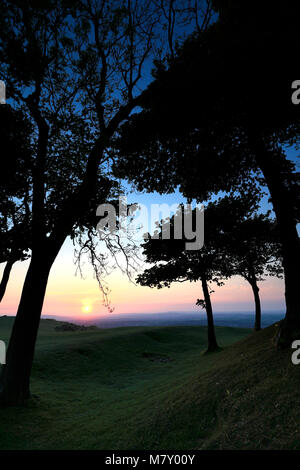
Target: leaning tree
<point x="210" y="120"/>
<point x="77" y="70"/>
<point x="15" y="134"/>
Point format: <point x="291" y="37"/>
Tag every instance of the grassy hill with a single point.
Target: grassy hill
<point x="155" y="388"/>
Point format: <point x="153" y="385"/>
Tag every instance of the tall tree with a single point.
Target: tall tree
<point x="253" y="251"/>
<point x="76" y="69"/>
<point x="210" y="120"/>
<point x="174" y="263"/>
<point x="15" y="135"/>
<point x="213" y="263"/>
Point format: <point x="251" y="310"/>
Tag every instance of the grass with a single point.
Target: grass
<point x="155" y="388"/>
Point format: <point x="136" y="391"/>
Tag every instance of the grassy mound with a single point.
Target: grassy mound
<point x="155" y="388"/>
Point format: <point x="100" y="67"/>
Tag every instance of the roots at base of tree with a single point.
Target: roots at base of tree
<point x="287" y="333"/>
<point x="212" y="349"/>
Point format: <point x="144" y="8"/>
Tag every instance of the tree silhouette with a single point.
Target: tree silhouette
<point x="76" y="70"/>
<point x="211" y="264"/>
<point x="210" y="121"/>
<point x="257" y="254"/>
<point x="252" y="249"/>
<point x="15" y="133"/>
<point x="174" y="263"/>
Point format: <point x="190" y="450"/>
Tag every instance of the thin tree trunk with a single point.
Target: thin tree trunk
<point x="211" y="336"/>
<point x="284" y="209"/>
<point x="15" y="377"/>
<point x="5" y="278"/>
<point x="255" y="288"/>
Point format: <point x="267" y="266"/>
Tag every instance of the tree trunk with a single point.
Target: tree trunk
<point x="15" y="377"/>
<point x="211" y="336"/>
<point x="271" y="165"/>
<point x="255" y="288"/>
<point x="5" y="278"/>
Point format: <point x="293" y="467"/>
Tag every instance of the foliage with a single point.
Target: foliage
<point x="15" y="134"/>
<point x="74" y="71"/>
<point x="200" y="116"/>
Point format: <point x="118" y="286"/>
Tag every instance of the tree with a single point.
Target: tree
<point x="252" y="251"/>
<point x="209" y="121"/>
<point x="212" y="263"/>
<point x="15" y="132"/>
<point x="173" y="263"/>
<point x="74" y="69"/>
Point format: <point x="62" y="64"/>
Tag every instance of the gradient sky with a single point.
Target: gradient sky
<point x="70" y="296"/>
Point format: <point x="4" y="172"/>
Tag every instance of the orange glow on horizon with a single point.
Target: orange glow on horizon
<point x="79" y="298"/>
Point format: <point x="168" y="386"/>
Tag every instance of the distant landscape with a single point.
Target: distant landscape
<point x="236" y="319"/>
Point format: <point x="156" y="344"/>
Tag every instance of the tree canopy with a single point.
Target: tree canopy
<point x="211" y="122"/>
<point x="236" y="243"/>
<point x="76" y="70"/>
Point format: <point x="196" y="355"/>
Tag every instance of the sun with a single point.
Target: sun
<point x="87" y="305"/>
<point x="86" y="308"/>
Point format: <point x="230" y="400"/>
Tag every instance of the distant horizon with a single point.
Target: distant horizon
<point x="171" y="312"/>
<point x="72" y="296"/>
<point x="167" y="319"/>
<point x="169" y="316"/>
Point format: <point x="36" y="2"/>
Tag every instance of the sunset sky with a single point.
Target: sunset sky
<point x="70" y="296"/>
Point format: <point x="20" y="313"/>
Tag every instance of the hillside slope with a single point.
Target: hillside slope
<point x="248" y="399"/>
<point x="155" y="388"/>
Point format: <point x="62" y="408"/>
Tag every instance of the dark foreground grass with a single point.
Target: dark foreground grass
<point x="155" y="388"/>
